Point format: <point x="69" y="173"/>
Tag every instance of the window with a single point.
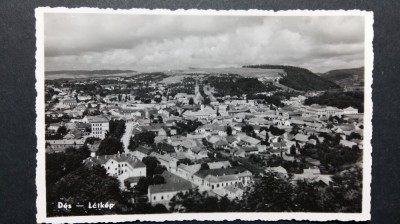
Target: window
<point x="162" y="197"/>
<point x="108" y="168"/>
<point x="217" y="185"/>
<point x="154" y="198"/>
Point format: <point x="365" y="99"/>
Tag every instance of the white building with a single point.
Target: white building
<point x="100" y="125"/>
<point x="163" y="193"/>
<point x="350" y="110"/>
<point x="121" y="166"/>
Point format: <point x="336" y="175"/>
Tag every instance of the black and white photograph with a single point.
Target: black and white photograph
<point x="207" y="115"/>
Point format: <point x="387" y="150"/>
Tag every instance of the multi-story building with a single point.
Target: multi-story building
<point x="99" y="124"/>
<point x="121" y="166"/>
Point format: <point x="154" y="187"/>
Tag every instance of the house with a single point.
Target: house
<point x="141" y="152"/>
<point x="279" y="169"/>
<point x="218" y="178"/>
<point x="313" y="175"/>
<point x="165" y="160"/>
<point x="233" y="192"/>
<point x="55" y="126"/>
<point x="350" y="110"/>
<point x="61" y="145"/>
<point x="248" y="141"/>
<point x="219" y="165"/>
<point x="93" y="148"/>
<point x="121" y="166"/>
<point x="163" y="193"/>
<point x="70" y="102"/>
<point x="238" y="152"/>
<point x="249" y="150"/>
<point x="99" y="124"/>
<point x="347" y="143"/>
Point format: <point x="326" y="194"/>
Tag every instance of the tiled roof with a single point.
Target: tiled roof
<point x="101" y="160"/>
<point x="66" y="142"/>
<point x="220" y="172"/>
<point x="97" y="119"/>
<point x="171" y="187"/>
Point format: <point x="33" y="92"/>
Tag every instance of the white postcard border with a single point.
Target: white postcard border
<point x="40" y="123"/>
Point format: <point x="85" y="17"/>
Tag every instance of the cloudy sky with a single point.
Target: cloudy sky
<point x="76" y="41"/>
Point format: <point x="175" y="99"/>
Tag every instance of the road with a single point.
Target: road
<point x="285" y="87"/>
<point x="127" y="135"/>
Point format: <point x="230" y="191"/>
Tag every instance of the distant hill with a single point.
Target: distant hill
<point x="346" y="77"/>
<point x="88" y="72"/>
<point x="300" y="78"/>
<point x="70" y="74"/>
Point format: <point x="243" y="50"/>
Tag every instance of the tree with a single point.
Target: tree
<point x="81" y="187"/>
<point x="206" y="101"/>
<point x="229" y="130"/>
<point x="62" y="130"/>
<point x="110" y="146"/>
<point x="158" y="179"/>
<point x="186" y="161"/>
<point x="153" y="166"/>
<point x="204" y="166"/>
<point x="143" y="138"/>
<point x="295" y="129"/>
<point x="195" y="201"/>
<point x="276" y="131"/>
<point x="248" y="129"/>
<point x="61" y="164"/>
<point x="345" y="195"/>
<point x="191" y="101"/>
<point x="159" y="208"/>
<point x="272" y="193"/>
<point x="308" y="197"/>
<point x="143" y="184"/>
<point x="293" y="149"/>
<point x="117" y="128"/>
<point x="354" y="135"/>
<point x="157" y="99"/>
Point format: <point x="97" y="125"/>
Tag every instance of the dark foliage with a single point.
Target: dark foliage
<point x="117" y="128"/>
<point x="339" y="99"/>
<point x="300" y="78"/>
<point x="81" y="187"/>
<point x="143" y="138"/>
<point x="110" y="146"/>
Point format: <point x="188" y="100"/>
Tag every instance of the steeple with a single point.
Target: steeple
<point x="196" y="88"/>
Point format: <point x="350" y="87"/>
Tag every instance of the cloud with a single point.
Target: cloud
<point x="156" y="43"/>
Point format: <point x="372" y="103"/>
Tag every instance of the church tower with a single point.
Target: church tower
<point x="196" y="89"/>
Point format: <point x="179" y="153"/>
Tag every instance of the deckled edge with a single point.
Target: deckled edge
<point x="368" y="105"/>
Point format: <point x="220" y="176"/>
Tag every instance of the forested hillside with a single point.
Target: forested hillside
<point x="346" y="77"/>
<point x="300" y="78"/>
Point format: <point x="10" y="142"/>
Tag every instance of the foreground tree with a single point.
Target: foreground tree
<point x="63" y="163"/>
<point x="196" y="201"/>
<point x="272" y="193"/>
<point x="110" y="146"/>
<point x="345" y="194"/>
<point x="229" y="130"/>
<point x="82" y="187"/>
